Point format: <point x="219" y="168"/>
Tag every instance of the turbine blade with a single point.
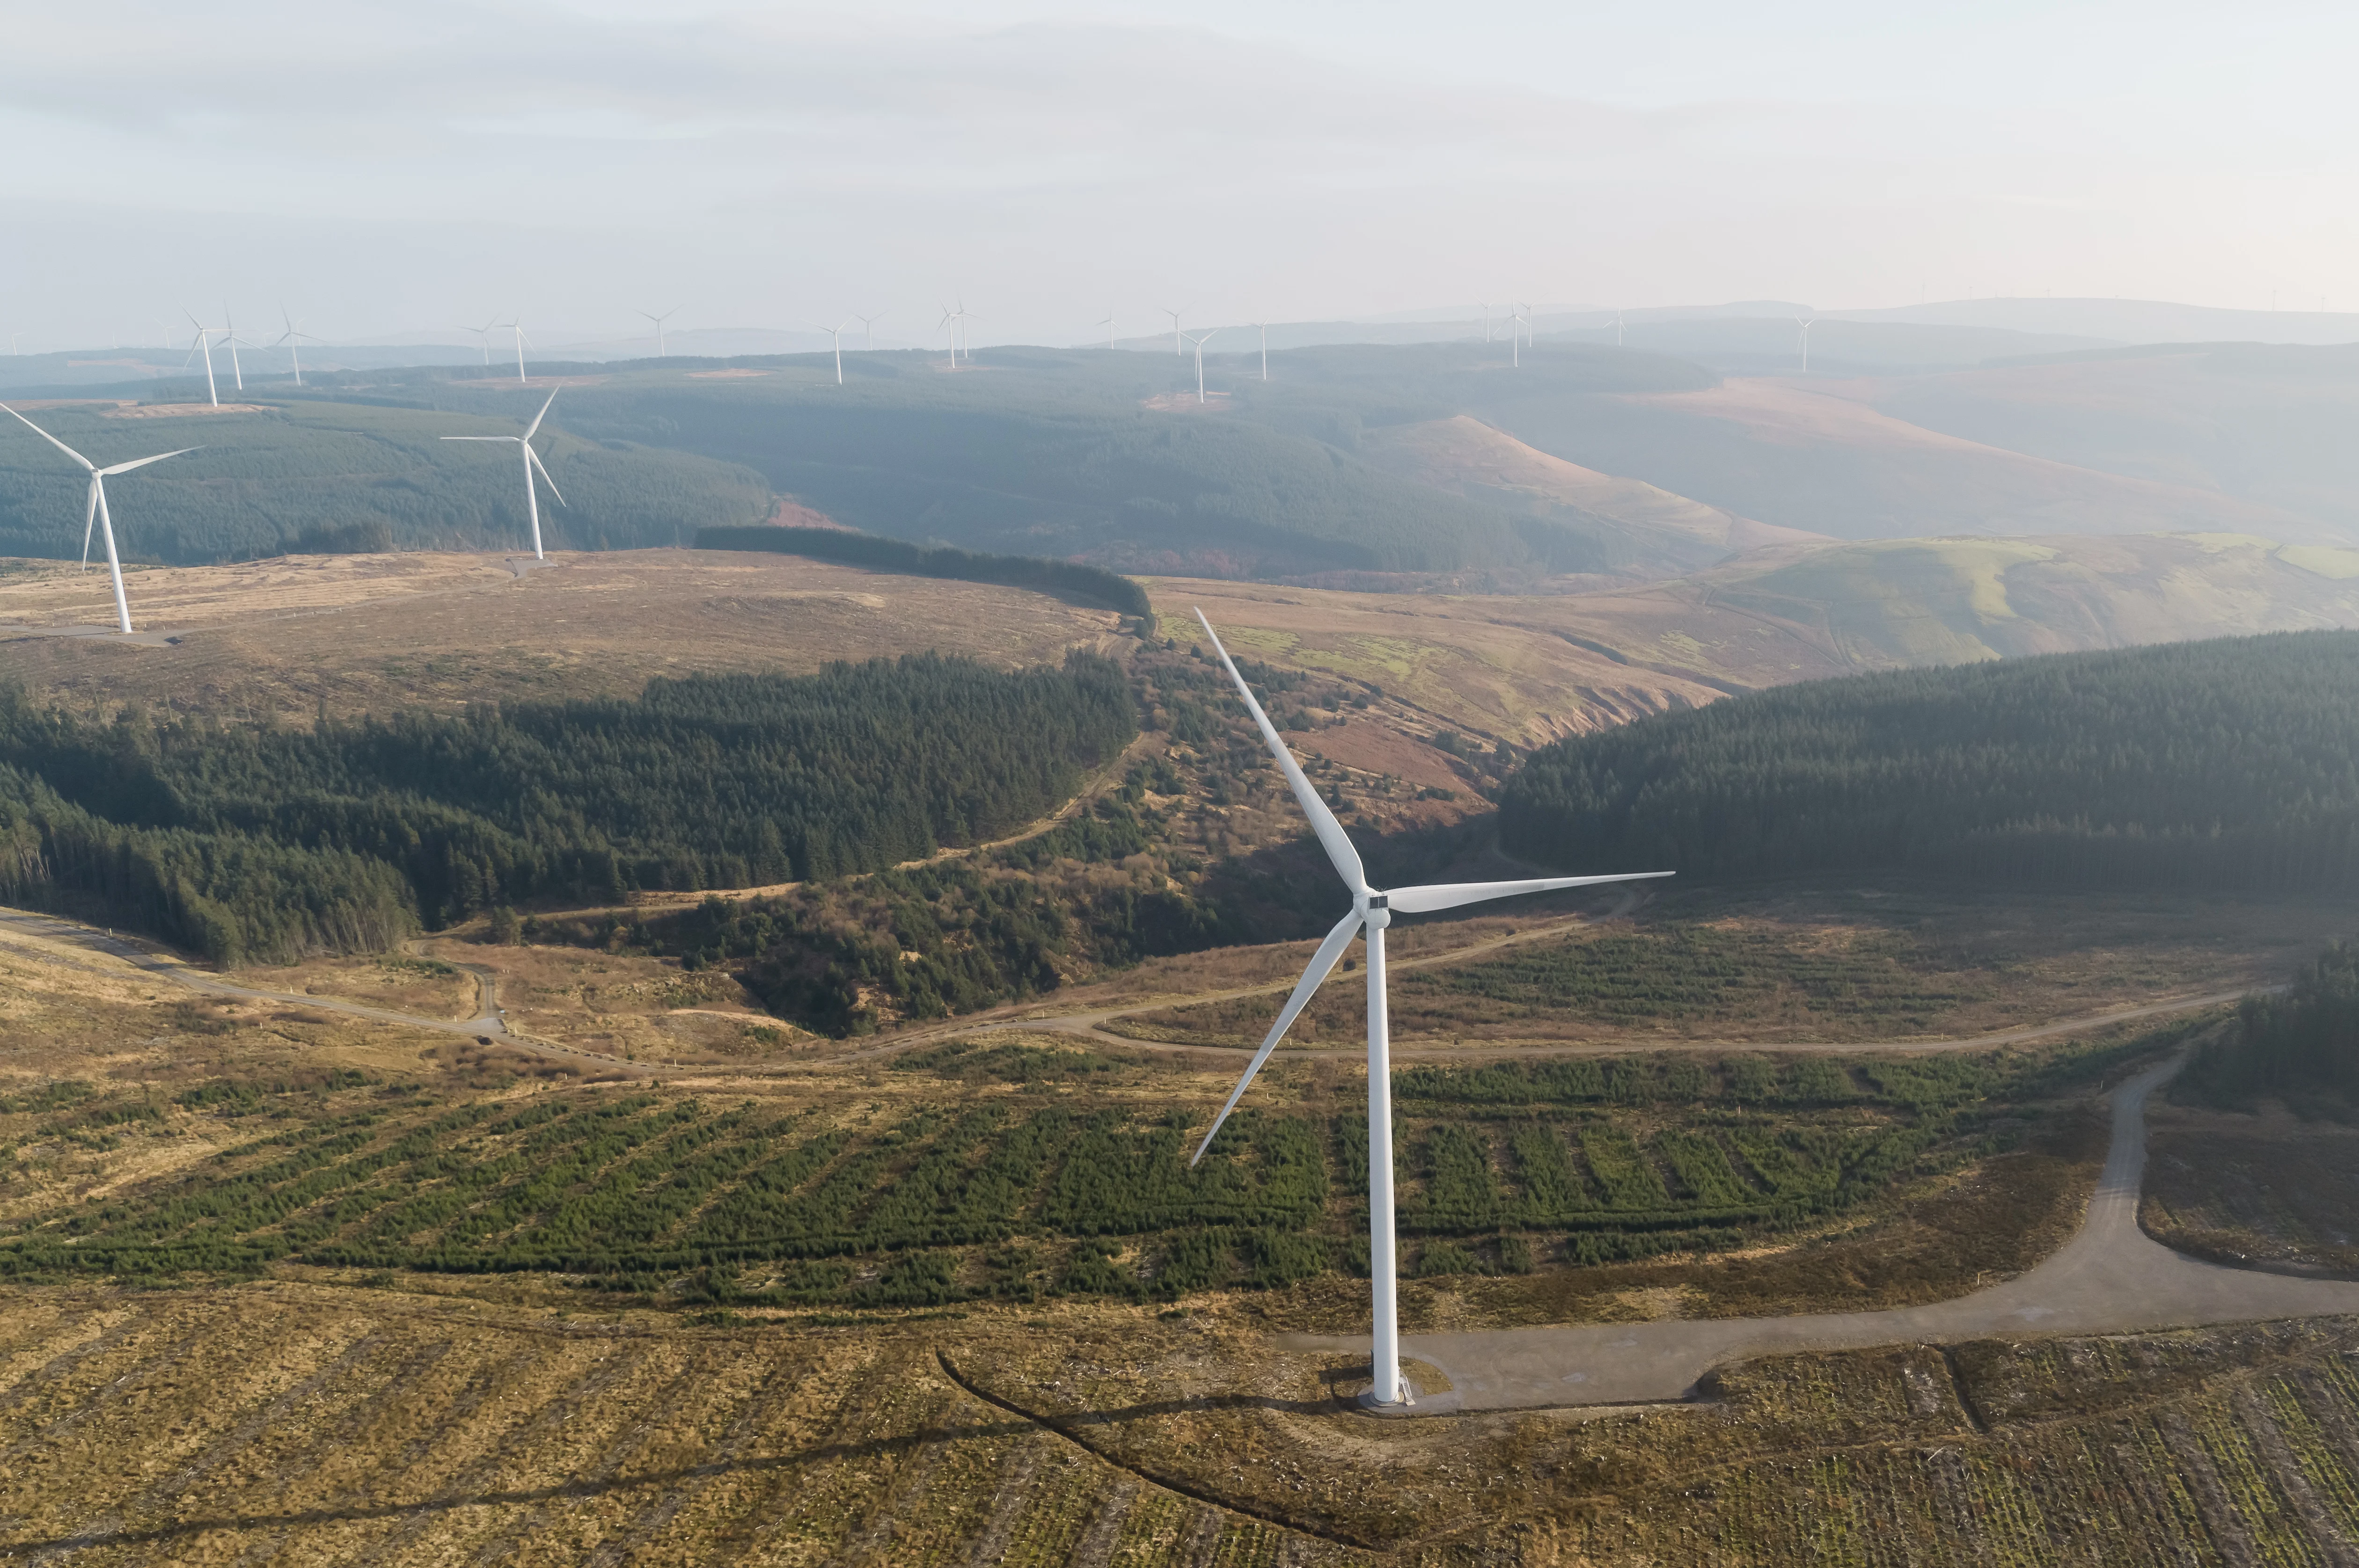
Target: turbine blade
<point x="53" y="441"/>
<point x="1449" y="895"/>
<point x="483" y="438"/>
<point x="544" y="473"/>
<point x="1322" y="964"/>
<point x="1323" y="820"/>
<point x="535" y="429"/>
<point x="143" y="461"/>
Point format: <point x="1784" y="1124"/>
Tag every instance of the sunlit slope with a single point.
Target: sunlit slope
<point x="1802" y="455"/>
<point x="1652" y="529"/>
<point x="293" y="473"/>
<point x="2266" y="424"/>
<point x="1532" y="667"/>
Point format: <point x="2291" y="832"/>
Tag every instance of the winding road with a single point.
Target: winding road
<point x="2111" y="1278"/>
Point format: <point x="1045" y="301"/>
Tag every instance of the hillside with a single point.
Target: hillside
<point x="2225" y="765"/>
<point x="308" y="473"/>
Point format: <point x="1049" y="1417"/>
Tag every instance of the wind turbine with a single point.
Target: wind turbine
<point x="1371" y="910"/>
<point x="94" y="508"/>
<point x="1805" y="325"/>
<point x="205" y="346"/>
<point x="516" y="326"/>
<point x="659" y="321"/>
<point x="836" y="333"/>
<point x="1617" y="329"/>
<point x="531" y="461"/>
<point x="1175" y="316"/>
<point x="484" y="334"/>
<point x="229" y="336"/>
<point x="1108" y="325"/>
<point x="293" y="337"/>
<point x="1199" y="339"/>
<point x="1522" y="317"/>
<point x="1263" y="327"/>
<point x="868" y="329"/>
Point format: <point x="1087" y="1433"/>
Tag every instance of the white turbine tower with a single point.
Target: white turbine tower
<point x="868" y="329"/>
<point x="1371" y="910"/>
<point x="94" y="508"/>
<point x="205" y="346"/>
<point x="836" y="333"/>
<point x="531" y="461"/>
<point x="229" y="336"/>
<point x="1522" y="317"/>
<point x="1199" y="339"/>
<point x="1175" y="316"/>
<point x="1108" y="325"/>
<point x="1263" y="327"/>
<point x="484" y="333"/>
<point x="292" y="339"/>
<point x="1805" y="326"/>
<point x="1617" y="329"/>
<point x="516" y="326"/>
<point x="660" y="322"/>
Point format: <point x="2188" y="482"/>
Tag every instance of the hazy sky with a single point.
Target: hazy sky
<point x="383" y="168"/>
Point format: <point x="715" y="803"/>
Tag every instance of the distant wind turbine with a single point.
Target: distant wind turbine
<point x="1175" y="316"/>
<point x="1199" y="339"/>
<point x="1486" y="323"/>
<point x="531" y="461"/>
<point x="1371" y="912"/>
<point x="1617" y="329"/>
<point x="293" y="338"/>
<point x="660" y="322"/>
<point x="836" y="333"/>
<point x="204" y="345"/>
<point x="1805" y="326"/>
<point x="94" y="508"/>
<point x="868" y="328"/>
<point x="229" y="336"/>
<point x="484" y="334"/>
<point x="1108" y="325"/>
<point x="1522" y="317"/>
<point x="1263" y="327"/>
<point x="516" y="326"/>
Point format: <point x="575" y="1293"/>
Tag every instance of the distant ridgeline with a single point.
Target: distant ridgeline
<point x="264" y="845"/>
<point x="2230" y="764"/>
<point x="1092" y="582"/>
<point x="2302" y="1046"/>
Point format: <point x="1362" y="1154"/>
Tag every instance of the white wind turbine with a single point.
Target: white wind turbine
<point x="484" y="334"/>
<point x="1175" y="316"/>
<point x="1371" y="912"/>
<point x="94" y="508"/>
<point x="1108" y="325"/>
<point x="660" y="322"/>
<point x="204" y="347"/>
<point x="1805" y="326"/>
<point x="1617" y="329"/>
<point x="1199" y="339"/>
<point x="836" y="333"/>
<point x="292" y="339"/>
<point x="516" y="326"/>
<point x="1522" y="317"/>
<point x="229" y="336"/>
<point x="868" y="328"/>
<point x="531" y="461"/>
<point x="1263" y="327"/>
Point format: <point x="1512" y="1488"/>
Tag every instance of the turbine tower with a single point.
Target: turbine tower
<point x="292" y="339"/>
<point x="868" y="329"/>
<point x="1371" y="910"/>
<point x="204" y="345"/>
<point x="1263" y="327"/>
<point x="836" y="333"/>
<point x="660" y="322"/>
<point x="1522" y="317"/>
<point x="1805" y="325"/>
<point x="94" y="510"/>
<point x="1199" y="339"/>
<point x="531" y="461"/>
<point x="484" y="334"/>
<point x="516" y="326"/>
<point x="229" y="336"/>
<point x="1108" y="325"/>
<point x="1175" y="316"/>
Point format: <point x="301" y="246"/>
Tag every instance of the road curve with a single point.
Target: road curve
<point x="489" y="1025"/>
<point x="2111" y="1278"/>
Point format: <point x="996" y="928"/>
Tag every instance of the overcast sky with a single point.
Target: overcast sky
<point x="394" y="167"/>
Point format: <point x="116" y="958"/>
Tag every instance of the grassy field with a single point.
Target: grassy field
<point x="2262" y="1189"/>
<point x="309" y="1424"/>
<point x="1793" y="964"/>
<point x="278" y="639"/>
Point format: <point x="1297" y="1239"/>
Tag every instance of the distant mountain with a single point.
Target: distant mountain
<point x="2127" y="320"/>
